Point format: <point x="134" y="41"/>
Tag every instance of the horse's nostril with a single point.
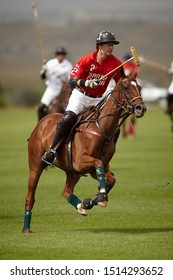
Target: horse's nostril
<point x="138" y="108"/>
<point x="139" y="111"/>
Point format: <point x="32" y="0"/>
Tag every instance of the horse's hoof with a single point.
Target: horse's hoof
<point x="94" y="200"/>
<point x="81" y="210"/>
<point x="87" y="203"/>
<point x="102" y="203"/>
<point x="102" y="199"/>
<point x="27" y="230"/>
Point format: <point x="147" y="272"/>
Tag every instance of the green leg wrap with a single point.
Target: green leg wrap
<point x="101" y="177"/>
<point x="73" y="200"/>
<point x="27" y="219"/>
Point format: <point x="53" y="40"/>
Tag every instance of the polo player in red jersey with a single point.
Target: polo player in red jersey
<point x="88" y="90"/>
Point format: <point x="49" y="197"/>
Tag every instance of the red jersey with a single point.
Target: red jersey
<point x="88" y="68"/>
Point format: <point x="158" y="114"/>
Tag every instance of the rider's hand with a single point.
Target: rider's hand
<point x="92" y="83"/>
<point x="43" y="71"/>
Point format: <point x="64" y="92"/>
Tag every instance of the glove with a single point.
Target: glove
<point x="43" y="69"/>
<point x="92" y="83"/>
<point x="43" y="72"/>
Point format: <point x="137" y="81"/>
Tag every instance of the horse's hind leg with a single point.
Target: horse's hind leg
<point x="71" y="181"/>
<point x="33" y="179"/>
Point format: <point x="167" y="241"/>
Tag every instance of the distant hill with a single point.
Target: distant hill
<point x="75" y="24"/>
<point x="62" y="12"/>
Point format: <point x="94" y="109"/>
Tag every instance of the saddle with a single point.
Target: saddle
<point x="87" y="116"/>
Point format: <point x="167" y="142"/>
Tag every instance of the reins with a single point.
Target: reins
<point x="93" y="116"/>
<point x="126" y="105"/>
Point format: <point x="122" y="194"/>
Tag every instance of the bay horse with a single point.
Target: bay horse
<point x="89" y="148"/>
<point x="59" y="104"/>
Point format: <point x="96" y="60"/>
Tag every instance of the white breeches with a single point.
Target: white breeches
<point x="49" y="95"/>
<point x="78" y="101"/>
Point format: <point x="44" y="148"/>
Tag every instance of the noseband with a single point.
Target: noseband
<point x="127" y="102"/>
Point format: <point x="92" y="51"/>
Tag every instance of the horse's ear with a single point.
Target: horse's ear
<point x="122" y="72"/>
<point x="134" y="75"/>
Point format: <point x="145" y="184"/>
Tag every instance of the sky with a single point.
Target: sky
<point x="61" y="12"/>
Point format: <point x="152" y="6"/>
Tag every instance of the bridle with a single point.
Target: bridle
<point x="122" y="90"/>
<point x="126" y="104"/>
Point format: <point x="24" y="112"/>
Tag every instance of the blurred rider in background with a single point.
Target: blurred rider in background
<point x="56" y="72"/>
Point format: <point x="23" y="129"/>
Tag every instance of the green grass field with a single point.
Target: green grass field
<point x="136" y="225"/>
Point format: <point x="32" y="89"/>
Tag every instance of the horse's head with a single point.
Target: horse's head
<point x="130" y="96"/>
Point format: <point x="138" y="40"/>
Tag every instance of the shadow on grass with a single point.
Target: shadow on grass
<point x="127" y="230"/>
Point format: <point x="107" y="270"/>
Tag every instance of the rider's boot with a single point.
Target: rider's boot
<point x="61" y="133"/>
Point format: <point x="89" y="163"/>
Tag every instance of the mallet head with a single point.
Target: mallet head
<point x="34" y="5"/>
<point x="135" y="56"/>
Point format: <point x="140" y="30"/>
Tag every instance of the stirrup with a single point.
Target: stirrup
<point x="49" y="157"/>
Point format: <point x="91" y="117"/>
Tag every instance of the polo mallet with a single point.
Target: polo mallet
<point x="39" y="33"/>
<point x="153" y="63"/>
<point x="134" y="57"/>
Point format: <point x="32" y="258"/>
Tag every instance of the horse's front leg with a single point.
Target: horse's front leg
<point x="105" y="185"/>
<point x="71" y="181"/>
<point x="102" y="197"/>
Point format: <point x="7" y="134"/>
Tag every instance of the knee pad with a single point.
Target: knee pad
<point x="67" y="122"/>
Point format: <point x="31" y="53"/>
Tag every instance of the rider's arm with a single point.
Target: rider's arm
<point x="76" y="82"/>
